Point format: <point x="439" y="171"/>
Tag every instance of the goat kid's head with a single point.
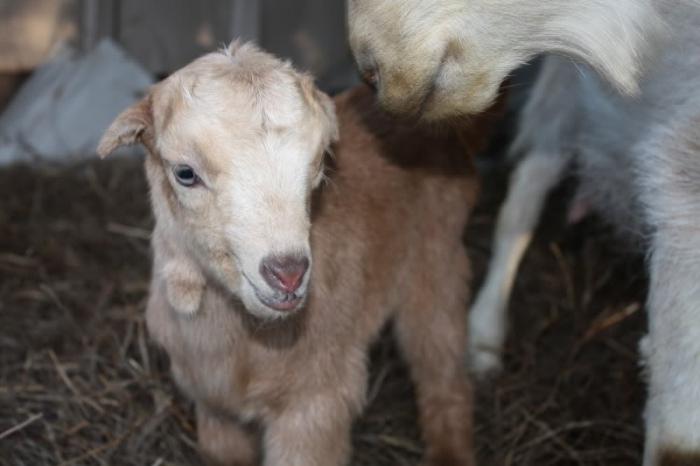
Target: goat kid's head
<point x="235" y="143"/>
<point x="443" y="58"/>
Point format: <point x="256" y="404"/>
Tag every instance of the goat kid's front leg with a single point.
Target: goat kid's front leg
<point x="223" y="442"/>
<point x="532" y="180"/>
<point x="315" y="431"/>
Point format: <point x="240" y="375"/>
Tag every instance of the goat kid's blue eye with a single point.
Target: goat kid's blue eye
<point x="185" y="175"/>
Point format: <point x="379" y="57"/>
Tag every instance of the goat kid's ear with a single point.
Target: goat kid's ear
<point x="323" y="104"/>
<point x="127" y="128"/>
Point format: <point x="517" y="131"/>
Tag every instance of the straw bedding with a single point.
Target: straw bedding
<point x="82" y="384"/>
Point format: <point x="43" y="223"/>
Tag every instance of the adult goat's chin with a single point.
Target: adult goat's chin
<point x="444" y="90"/>
<point x="436" y="59"/>
<point x="422" y="64"/>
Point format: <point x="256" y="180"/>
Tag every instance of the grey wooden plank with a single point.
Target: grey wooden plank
<point x="166" y="34"/>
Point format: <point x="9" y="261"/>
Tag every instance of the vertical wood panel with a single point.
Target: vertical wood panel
<point x="166" y="34"/>
<point x="312" y="34"/>
<point x="245" y="21"/>
<point x="98" y="19"/>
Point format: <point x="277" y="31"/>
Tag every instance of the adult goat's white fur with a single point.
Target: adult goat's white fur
<point x="637" y="152"/>
<point x="449" y="57"/>
<point x="638" y="160"/>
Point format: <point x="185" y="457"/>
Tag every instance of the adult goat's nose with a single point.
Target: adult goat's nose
<point x="370" y="75"/>
<point x="284" y="273"/>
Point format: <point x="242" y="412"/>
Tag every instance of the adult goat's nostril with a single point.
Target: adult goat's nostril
<point x="284" y="273"/>
<point x="371" y="77"/>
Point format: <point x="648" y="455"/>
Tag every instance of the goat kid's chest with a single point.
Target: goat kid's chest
<point x="222" y="362"/>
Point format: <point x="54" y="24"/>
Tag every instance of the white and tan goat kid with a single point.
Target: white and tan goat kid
<point x="275" y="361"/>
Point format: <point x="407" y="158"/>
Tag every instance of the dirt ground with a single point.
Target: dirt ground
<point x="81" y="383"/>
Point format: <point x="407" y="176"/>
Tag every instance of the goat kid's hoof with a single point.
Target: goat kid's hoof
<point x="450" y="460"/>
<point x="484" y="364"/>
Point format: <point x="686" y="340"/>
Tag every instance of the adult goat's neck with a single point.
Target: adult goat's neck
<point x="615" y="37"/>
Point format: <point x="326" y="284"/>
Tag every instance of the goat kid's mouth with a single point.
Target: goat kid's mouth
<point x="286" y="302"/>
<point x="282" y="302"/>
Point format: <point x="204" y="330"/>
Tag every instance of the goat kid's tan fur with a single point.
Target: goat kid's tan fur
<point x="384" y="231"/>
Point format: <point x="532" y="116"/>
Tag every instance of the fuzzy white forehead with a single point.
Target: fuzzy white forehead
<point x="247" y="96"/>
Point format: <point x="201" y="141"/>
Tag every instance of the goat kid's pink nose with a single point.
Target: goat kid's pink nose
<point x="284" y="273"/>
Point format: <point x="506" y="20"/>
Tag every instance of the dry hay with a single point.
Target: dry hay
<point x="81" y="384"/>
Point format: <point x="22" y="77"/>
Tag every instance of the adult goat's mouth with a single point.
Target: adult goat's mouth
<point x="435" y="87"/>
<point x="413" y="107"/>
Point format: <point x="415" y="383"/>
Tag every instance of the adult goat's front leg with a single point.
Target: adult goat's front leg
<point x="532" y="180"/>
<point x="672" y="349"/>
<point x="673" y="357"/>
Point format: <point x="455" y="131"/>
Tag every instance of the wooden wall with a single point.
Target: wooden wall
<point x="163" y="35"/>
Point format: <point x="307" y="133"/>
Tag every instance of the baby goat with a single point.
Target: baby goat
<point x="269" y="285"/>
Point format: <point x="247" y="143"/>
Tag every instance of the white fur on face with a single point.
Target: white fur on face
<point x="444" y="58"/>
<point x="258" y="155"/>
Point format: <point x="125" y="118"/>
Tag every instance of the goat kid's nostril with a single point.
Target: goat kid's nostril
<point x="284" y="273"/>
